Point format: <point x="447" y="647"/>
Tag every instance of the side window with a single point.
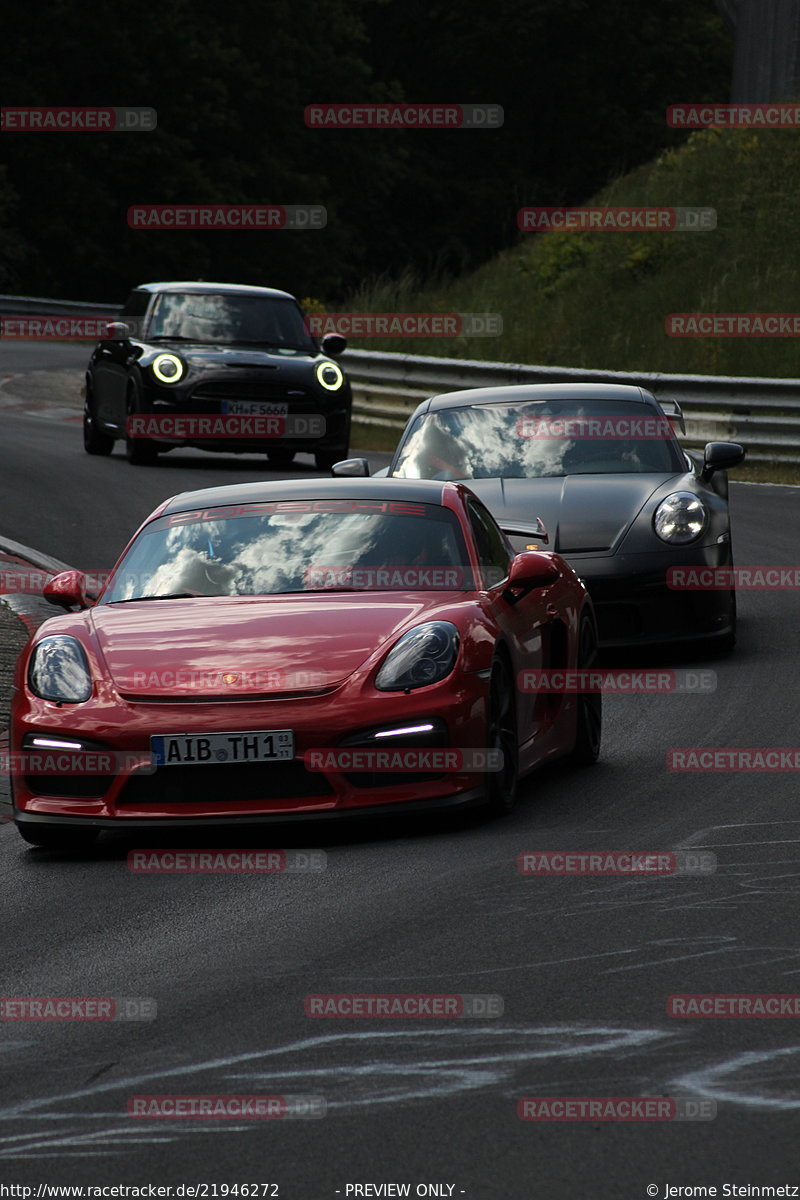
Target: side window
<point x="133" y="311"/>
<point x="493" y="551"/>
<point x="136" y="304"/>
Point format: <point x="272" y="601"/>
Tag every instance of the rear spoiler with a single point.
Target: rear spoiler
<point x="535" y="530"/>
<point x="672" y="409"/>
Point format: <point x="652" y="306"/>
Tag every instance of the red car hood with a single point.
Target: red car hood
<point x="239" y="646"/>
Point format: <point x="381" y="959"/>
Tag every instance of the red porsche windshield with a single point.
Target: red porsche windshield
<point x="531" y="440"/>
<point x="294" y="546"/>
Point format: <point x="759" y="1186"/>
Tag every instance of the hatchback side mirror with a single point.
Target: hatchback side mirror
<point x="333" y="344"/>
<point x="118" y="331"/>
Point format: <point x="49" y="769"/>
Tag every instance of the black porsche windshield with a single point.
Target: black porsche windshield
<point x="228" y="319"/>
<point x="532" y="440"/>
<point x="295" y="546"/>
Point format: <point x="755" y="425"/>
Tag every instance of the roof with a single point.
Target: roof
<point x="540" y="391"/>
<point x="420" y="491"/>
<point x="203" y="286"/>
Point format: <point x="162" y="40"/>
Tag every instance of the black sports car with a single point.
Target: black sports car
<point x="614" y="492"/>
<point x="185" y="352"/>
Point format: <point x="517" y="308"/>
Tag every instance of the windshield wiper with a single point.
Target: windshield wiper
<point x="168" y="596"/>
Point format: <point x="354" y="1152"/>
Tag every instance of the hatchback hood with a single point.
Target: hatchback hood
<point x="242" y="646"/>
<point x="199" y="355"/>
<point x="580" y="512"/>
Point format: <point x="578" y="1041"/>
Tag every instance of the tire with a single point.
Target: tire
<point x="94" y="442"/>
<point x="324" y="459"/>
<point x="140" y="452"/>
<point x="724" y="644"/>
<point x="501" y="734"/>
<point x="589" y="715"/>
<point x="57" y="837"/>
<point x="280" y="459"/>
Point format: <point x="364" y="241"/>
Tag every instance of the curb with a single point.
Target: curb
<point x="44" y="562"/>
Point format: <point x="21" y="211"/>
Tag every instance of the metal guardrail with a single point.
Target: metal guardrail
<point x="764" y="414"/>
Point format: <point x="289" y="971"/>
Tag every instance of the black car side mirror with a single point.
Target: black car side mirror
<point x="351" y="468"/>
<point x="333" y="344"/>
<point x="118" y="331"/>
<point x="721" y="456"/>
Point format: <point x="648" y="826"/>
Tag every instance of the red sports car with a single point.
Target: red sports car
<point x="297" y="649"/>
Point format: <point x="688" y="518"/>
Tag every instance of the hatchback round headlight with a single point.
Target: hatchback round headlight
<point x="423" y="655"/>
<point x="330" y="375"/>
<point x="167" y="368"/>
<point x="680" y="519"/>
<point x="58" y="670"/>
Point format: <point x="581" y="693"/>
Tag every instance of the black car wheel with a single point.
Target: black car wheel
<point x="94" y="441"/>
<point x="57" y="837"/>
<point x="140" y="452"/>
<point x="279" y="459"/>
<point x="589" y="717"/>
<point x="501" y="735"/>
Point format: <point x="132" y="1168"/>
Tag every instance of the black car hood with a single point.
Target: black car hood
<point x="198" y="355"/>
<point x="580" y="512"/>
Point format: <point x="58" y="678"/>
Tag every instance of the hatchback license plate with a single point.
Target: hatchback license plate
<point x="255" y="408"/>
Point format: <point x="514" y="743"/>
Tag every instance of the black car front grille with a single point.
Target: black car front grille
<point x="248" y="389"/>
<point x="237" y="782"/>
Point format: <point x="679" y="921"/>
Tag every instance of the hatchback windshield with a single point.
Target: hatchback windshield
<point x="294" y="546"/>
<point x="229" y="319"/>
<point x="542" y="438"/>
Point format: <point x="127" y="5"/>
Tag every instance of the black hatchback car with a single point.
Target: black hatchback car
<point x="216" y="366"/>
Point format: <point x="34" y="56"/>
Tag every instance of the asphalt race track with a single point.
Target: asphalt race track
<point x="584" y="964"/>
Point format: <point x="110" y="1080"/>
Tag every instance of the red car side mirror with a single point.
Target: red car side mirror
<point x="67" y="590"/>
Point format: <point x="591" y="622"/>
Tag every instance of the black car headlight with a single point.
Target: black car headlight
<point x="58" y="670"/>
<point x="680" y="519"/>
<point x="168" y="368"/>
<point x="330" y="375"/>
<point x="423" y="655"/>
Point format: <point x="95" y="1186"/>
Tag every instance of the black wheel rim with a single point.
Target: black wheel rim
<point x="590" y="711"/>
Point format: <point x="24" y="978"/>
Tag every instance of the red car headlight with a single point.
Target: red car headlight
<point x="423" y="655"/>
